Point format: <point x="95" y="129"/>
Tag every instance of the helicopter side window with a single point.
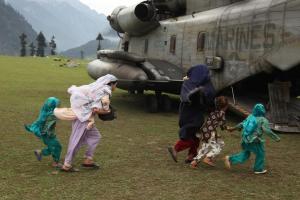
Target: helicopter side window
<point x="173" y="44"/>
<point x="146" y="46"/>
<point x="201" y="41"/>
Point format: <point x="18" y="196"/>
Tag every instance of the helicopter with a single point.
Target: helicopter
<point x="251" y="47"/>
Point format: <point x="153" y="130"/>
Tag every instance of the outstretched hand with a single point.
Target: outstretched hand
<point x="230" y="129"/>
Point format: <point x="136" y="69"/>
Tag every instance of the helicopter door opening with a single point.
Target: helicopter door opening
<point x="201" y="41"/>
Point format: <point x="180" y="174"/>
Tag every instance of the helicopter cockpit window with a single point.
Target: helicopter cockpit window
<point x="201" y="41"/>
<point x="173" y="44"/>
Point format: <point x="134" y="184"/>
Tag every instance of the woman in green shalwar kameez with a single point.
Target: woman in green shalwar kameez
<point x="252" y="139"/>
<point x="44" y="129"/>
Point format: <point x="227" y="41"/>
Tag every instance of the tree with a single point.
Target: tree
<point x="41" y="44"/>
<point x="23" y="37"/>
<point x="52" y="45"/>
<point x="82" y="54"/>
<point x="32" y="49"/>
<point x="99" y="38"/>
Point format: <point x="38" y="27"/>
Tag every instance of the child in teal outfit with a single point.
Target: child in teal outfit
<point x="44" y="129"/>
<point x="252" y="139"/>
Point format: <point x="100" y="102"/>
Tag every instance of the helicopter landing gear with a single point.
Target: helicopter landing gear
<point x="152" y="104"/>
<point x="139" y="91"/>
<point x="166" y="103"/>
<point x="131" y="91"/>
<point x="158" y="102"/>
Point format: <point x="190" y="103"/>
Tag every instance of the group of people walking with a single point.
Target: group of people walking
<point x="197" y="97"/>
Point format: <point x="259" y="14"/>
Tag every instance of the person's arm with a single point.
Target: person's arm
<point x="222" y="121"/>
<point x="105" y="102"/>
<point x="91" y="122"/>
<point x="100" y="111"/>
<point x="266" y="128"/>
<point x="237" y="127"/>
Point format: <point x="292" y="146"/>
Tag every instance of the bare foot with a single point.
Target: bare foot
<point x="194" y="164"/>
<point x="227" y="162"/>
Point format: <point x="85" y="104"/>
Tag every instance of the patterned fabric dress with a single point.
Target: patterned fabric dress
<point x="212" y="144"/>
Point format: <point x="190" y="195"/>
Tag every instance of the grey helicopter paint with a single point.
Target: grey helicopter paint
<point x="237" y="39"/>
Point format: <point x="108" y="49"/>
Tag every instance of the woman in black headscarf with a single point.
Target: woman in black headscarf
<point x="197" y="94"/>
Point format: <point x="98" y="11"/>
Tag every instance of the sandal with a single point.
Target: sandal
<point x="92" y="165"/>
<point x="68" y="169"/>
<point x="38" y="154"/>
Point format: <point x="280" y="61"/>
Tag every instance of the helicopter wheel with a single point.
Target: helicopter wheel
<point x="131" y="91"/>
<point x="152" y="104"/>
<point x="140" y="91"/>
<point x="166" y="103"/>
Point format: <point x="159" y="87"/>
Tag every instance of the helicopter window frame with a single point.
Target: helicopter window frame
<point x="201" y="39"/>
<point x="173" y="44"/>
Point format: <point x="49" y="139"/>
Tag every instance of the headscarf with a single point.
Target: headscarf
<point x="250" y="124"/>
<point x="37" y="126"/>
<point x="259" y="110"/>
<point x="86" y="97"/>
<point x="199" y="79"/>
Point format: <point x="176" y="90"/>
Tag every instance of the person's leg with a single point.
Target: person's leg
<point x="216" y="148"/>
<point x="92" y="139"/>
<point x="259" y="165"/>
<point x="203" y="151"/>
<point x="55" y="148"/>
<point x="194" y="145"/>
<point x="78" y="130"/>
<point x="44" y="152"/>
<point x="241" y="157"/>
<point x="182" y="145"/>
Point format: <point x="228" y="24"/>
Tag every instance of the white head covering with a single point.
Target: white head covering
<point x="86" y="97"/>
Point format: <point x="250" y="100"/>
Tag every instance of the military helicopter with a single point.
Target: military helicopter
<point x="252" y="48"/>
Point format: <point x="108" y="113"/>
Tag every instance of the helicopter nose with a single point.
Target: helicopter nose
<point x="98" y="68"/>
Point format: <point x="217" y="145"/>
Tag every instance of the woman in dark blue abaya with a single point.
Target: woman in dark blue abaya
<point x="197" y="94"/>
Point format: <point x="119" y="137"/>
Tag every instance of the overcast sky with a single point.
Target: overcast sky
<point x="107" y="6"/>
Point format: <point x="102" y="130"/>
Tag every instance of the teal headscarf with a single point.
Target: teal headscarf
<point x="250" y="124"/>
<point x="37" y="126"/>
<point x="259" y="110"/>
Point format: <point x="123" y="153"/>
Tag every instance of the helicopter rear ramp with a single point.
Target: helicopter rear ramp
<point x="282" y="109"/>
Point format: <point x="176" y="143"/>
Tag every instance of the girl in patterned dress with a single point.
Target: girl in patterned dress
<point x="212" y="143"/>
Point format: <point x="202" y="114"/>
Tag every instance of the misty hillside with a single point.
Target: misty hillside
<point x="71" y="22"/>
<point x="89" y="49"/>
<point x="12" y="26"/>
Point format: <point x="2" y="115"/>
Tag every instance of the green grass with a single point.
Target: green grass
<point x="133" y="157"/>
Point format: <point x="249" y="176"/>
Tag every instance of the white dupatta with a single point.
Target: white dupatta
<point x="86" y="97"/>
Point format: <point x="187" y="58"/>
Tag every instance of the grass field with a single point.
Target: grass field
<point x="132" y="154"/>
